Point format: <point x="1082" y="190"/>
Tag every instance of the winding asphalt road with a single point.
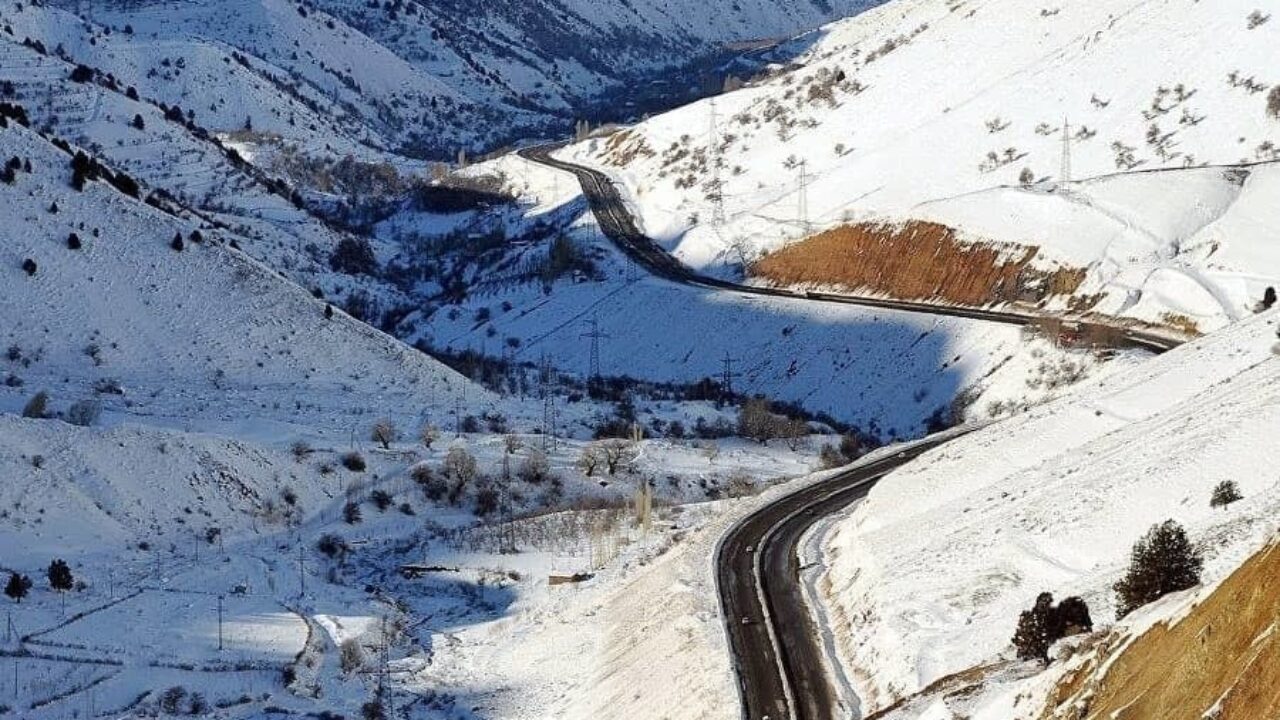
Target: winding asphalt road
<point x="619" y="226"/>
<point x="777" y="650"/>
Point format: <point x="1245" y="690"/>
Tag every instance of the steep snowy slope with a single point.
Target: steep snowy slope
<point x="195" y="337"/>
<point x="953" y="111"/>
<point x="1053" y="501"/>
<point x="135" y="134"/>
<point x="425" y="77"/>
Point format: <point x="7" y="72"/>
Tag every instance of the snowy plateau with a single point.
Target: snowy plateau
<point x="437" y="359"/>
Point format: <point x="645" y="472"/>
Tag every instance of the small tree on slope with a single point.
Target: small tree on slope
<point x="1225" y="493"/>
<point x="18" y="586"/>
<point x="1163" y="561"/>
<point x="1032" y="638"/>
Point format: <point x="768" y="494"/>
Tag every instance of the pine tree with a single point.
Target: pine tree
<point x="328" y="311"/>
<point x="1163" y="561"/>
<point x="18" y="586"/>
<point x="60" y="577"/>
<point x="177" y="243"/>
<point x="1032" y="636"/>
<point x="29" y="267"/>
<point x="1225" y="493"/>
<point x="73" y="242"/>
<point x="138" y="122"/>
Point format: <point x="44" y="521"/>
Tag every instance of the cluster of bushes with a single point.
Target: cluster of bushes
<point x="1045" y="623"/>
<point x="1163" y="561"/>
<point x="83" y="413"/>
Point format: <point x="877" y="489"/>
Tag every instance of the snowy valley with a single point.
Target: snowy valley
<point x="319" y="400"/>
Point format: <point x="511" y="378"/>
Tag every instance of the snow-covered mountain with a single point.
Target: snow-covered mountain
<point x="423" y="78"/>
<point x="955" y="112"/>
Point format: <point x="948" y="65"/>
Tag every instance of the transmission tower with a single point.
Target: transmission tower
<point x="549" y="436"/>
<point x="716" y="195"/>
<point x="596" y="335"/>
<point x="1065" y="172"/>
<point x="457" y="413"/>
<point x="727" y="374"/>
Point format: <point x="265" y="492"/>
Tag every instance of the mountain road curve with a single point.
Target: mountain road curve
<point x="777" y="654"/>
<point x="617" y="224"/>
<point x="776" y="648"/>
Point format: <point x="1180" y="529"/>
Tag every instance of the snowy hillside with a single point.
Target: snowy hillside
<point x="424" y="77"/>
<point x="1052" y="501"/>
<point x="882" y="122"/>
<point x="192" y="336"/>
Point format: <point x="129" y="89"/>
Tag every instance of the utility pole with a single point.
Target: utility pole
<point x="549" y="422"/>
<point x="595" y="335"/>
<point x="803" y="199"/>
<point x="716" y="195"/>
<point x="727" y="374"/>
<point x="457" y="414"/>
<point x="219" y="623"/>
<point x="302" y="575"/>
<point x="1065" y="172"/>
<point x="547" y="391"/>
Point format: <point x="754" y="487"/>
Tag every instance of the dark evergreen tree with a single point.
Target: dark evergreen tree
<point x="351" y="513"/>
<point x="53" y="208"/>
<point x="60" y="577"/>
<point x="1071" y="616"/>
<point x="177" y="243"/>
<point x="138" y="122"/>
<point x="1163" y="561"/>
<point x="1032" y="636"/>
<point x="82" y="74"/>
<point x="1225" y="493"/>
<point x="29" y="266"/>
<point x="354" y="256"/>
<point x="73" y="242"/>
<point x="18" y="586"/>
<point x="328" y="311"/>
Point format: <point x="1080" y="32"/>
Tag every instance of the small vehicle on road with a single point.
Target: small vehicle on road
<point x="747" y="621"/>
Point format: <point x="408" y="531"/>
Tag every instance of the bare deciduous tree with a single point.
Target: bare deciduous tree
<point x="428" y="436"/>
<point x="616" y="453"/>
<point x="384" y="433"/>
<point x="589" y="460"/>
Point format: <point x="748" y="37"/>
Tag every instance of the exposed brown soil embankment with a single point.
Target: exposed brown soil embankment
<point x="917" y="260"/>
<point x="1220" y="662"/>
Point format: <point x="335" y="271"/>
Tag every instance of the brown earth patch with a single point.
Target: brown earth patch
<point x="1220" y="662"/>
<point x="622" y="148"/>
<point x="917" y="260"/>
